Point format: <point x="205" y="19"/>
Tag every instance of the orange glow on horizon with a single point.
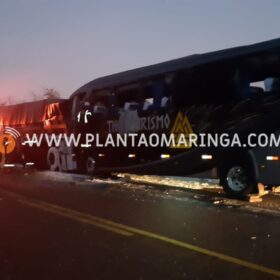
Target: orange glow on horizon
<point x="19" y="87"/>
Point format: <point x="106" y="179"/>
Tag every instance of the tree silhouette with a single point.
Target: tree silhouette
<point x="50" y="93"/>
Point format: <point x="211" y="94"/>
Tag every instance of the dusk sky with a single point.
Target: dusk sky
<point x="65" y="43"/>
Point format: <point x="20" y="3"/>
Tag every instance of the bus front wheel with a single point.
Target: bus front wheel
<point x="53" y="160"/>
<point x="90" y="165"/>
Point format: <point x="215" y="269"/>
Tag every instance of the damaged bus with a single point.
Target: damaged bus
<point x="230" y="92"/>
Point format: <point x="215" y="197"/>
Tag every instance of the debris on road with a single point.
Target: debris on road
<point x="258" y="197"/>
<point x="171" y="181"/>
<point x="218" y="201"/>
<point x="261" y="190"/>
<point x="254" y="198"/>
<point x="166" y="187"/>
<point x="276" y="189"/>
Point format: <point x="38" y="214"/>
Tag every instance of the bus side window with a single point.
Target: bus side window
<point x="165" y="101"/>
<point x="158" y="92"/>
<point x="77" y="104"/>
<point x="156" y="95"/>
<point x="101" y="101"/>
<point x="267" y="86"/>
<point x="99" y="107"/>
<point x="131" y="106"/>
<point x="147" y="96"/>
<point x="148" y="103"/>
<point x="272" y="85"/>
<point x="128" y="97"/>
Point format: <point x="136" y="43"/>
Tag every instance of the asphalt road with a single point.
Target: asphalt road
<point x="59" y="229"/>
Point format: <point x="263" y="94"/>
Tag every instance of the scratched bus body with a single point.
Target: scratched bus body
<point x="218" y="92"/>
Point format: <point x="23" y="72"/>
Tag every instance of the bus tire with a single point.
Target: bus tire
<point x="237" y="177"/>
<point x="53" y="159"/>
<point x="90" y="165"/>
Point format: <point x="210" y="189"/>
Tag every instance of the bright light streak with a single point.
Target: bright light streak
<point x="165" y="156"/>
<point x="272" y="158"/>
<point x="206" y="157"/>
<point x="132" y="156"/>
<point x="9" y="165"/>
<point x="85" y="145"/>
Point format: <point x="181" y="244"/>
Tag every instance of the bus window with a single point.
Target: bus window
<point x="259" y="84"/>
<point x="128" y="97"/>
<point x="267" y="86"/>
<point x="166" y="98"/>
<point x="147" y="95"/>
<point x="101" y="101"/>
<point x="272" y="85"/>
<point x="99" y="107"/>
<point x="77" y="103"/>
<point x="158" y="92"/>
<point x="165" y="101"/>
<point x="155" y="94"/>
<point x="148" y="103"/>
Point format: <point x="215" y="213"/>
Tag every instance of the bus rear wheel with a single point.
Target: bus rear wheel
<point x="237" y="179"/>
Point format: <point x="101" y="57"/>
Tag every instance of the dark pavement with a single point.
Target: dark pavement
<point x="52" y="229"/>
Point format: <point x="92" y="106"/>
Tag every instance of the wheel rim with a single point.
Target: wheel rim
<point x="53" y="159"/>
<point x="237" y="179"/>
<point x="90" y="165"/>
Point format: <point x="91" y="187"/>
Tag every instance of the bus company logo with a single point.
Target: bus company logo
<point x="181" y="128"/>
<point x="8" y="136"/>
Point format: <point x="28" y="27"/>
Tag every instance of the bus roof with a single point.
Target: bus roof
<point x="170" y="66"/>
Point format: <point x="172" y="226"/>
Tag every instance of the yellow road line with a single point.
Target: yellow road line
<point x="128" y="230"/>
<point x="180" y="244"/>
<point x="80" y="218"/>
